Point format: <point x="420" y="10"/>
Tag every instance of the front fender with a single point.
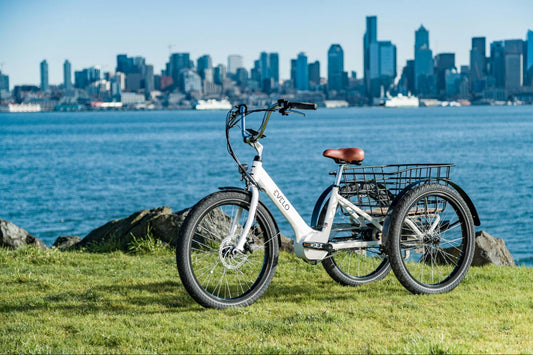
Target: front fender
<point x="240" y="189"/>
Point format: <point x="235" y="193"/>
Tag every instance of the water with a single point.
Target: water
<point x="68" y="173"/>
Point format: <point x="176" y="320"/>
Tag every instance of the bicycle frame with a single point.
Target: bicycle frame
<point x="309" y="243"/>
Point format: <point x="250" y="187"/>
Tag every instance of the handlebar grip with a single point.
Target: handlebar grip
<point x="303" y="105"/>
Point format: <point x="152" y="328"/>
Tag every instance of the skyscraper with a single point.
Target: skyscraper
<point x="478" y="66"/>
<point x="203" y="63"/>
<point x="379" y="60"/>
<point x="178" y="62"/>
<point x="314" y="73"/>
<point x="335" y="68"/>
<point x="234" y="63"/>
<point x="497" y="64"/>
<point x="302" y="72"/>
<point x="443" y="62"/>
<point x="4" y="82"/>
<point x="529" y="59"/>
<point x="424" y="78"/>
<point x="67" y="75"/>
<point x="371" y="55"/>
<point x="274" y="67"/>
<point x="514" y="74"/>
<point x="44" y="76"/>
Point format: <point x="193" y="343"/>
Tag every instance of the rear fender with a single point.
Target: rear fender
<point x="409" y="187"/>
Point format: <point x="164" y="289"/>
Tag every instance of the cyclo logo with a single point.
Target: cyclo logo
<point x="281" y="200"/>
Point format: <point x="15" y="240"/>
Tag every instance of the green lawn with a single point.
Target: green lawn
<point x="81" y="302"/>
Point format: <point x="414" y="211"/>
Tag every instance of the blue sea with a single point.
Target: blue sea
<point x="69" y="173"/>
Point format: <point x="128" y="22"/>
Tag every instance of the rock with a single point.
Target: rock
<point x="491" y="250"/>
<point x="14" y="237"/>
<point x="287" y="244"/>
<point x="160" y="223"/>
<point x="65" y="242"/>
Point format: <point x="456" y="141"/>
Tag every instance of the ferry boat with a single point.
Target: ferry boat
<point x="21" y="108"/>
<point x="213" y="104"/>
<point x="402" y="101"/>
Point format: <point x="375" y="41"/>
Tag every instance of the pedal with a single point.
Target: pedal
<point x="318" y="246"/>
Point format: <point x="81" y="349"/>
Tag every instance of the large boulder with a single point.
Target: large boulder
<point x="159" y="223"/>
<point x="14" y="237"/>
<point x="491" y="250"/>
<point x="66" y="241"/>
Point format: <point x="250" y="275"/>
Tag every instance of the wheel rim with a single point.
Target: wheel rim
<point x="220" y="270"/>
<point x="433" y="240"/>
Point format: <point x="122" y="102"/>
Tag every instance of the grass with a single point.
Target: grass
<point x="81" y="302"/>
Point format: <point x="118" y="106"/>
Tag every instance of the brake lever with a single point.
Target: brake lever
<point x="297" y="112"/>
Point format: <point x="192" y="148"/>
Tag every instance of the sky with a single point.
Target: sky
<point x="90" y="33"/>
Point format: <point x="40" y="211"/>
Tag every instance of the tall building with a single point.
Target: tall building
<point x="443" y="63"/>
<point x="406" y="85"/>
<point x="4" y="82"/>
<point x="203" y="63"/>
<point x="149" y="84"/>
<point x="335" y="68"/>
<point x="379" y="61"/>
<point x="478" y="66"/>
<point x="44" y="76"/>
<point x="514" y="74"/>
<point x="370" y="55"/>
<point x="177" y="63"/>
<point x="424" y="78"/>
<point x="314" y="73"/>
<point x="234" y="63"/>
<point x="497" y="64"/>
<point x="274" y="67"/>
<point x="529" y="60"/>
<point x="302" y="73"/>
<point x="67" y="75"/>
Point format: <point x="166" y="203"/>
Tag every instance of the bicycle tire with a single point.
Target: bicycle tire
<point x="358" y="266"/>
<point x="209" y="271"/>
<point x="437" y="259"/>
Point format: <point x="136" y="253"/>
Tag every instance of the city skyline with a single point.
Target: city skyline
<point x="88" y="34"/>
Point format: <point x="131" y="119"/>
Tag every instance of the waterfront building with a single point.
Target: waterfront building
<point x="443" y="63"/>
<point x="425" y="85"/>
<point x="203" y="63"/>
<point x="370" y="55"/>
<point x="406" y="85"/>
<point x="514" y="73"/>
<point x="234" y="63"/>
<point x="529" y="60"/>
<point x="219" y="74"/>
<point x="302" y="73"/>
<point x="379" y="61"/>
<point x="314" y="74"/>
<point x="177" y="63"/>
<point x="335" y="68"/>
<point x="478" y="66"/>
<point x="497" y="64"/>
<point x="190" y="81"/>
<point x="4" y="82"/>
<point x="67" y="75"/>
<point x="44" y="76"/>
<point x="452" y="82"/>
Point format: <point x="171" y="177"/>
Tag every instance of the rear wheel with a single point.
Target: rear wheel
<point x="355" y="266"/>
<point x="431" y="239"/>
<point x="214" y="273"/>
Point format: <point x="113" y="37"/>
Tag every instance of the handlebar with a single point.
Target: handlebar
<point x="238" y="115"/>
<point x="284" y="107"/>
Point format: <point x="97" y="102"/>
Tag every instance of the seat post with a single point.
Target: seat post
<point x="339" y="174"/>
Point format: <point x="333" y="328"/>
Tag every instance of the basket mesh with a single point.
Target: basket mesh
<point x="373" y="188"/>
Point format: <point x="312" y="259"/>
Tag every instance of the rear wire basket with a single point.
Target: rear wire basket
<point x="373" y="188"/>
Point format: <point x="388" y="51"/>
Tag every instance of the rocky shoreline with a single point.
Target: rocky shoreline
<point x="163" y="224"/>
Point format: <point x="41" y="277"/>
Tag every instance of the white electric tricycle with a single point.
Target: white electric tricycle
<point x="408" y="217"/>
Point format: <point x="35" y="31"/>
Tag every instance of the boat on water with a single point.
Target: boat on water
<point x="402" y="101"/>
<point x="212" y="104"/>
<point x="21" y="108"/>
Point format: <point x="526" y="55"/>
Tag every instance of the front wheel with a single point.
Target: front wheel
<point x="214" y="273"/>
<point x="431" y="239"/>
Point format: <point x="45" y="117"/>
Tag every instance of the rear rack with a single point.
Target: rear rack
<point x="373" y="188"/>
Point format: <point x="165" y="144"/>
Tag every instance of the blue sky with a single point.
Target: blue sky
<point x="93" y="32"/>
